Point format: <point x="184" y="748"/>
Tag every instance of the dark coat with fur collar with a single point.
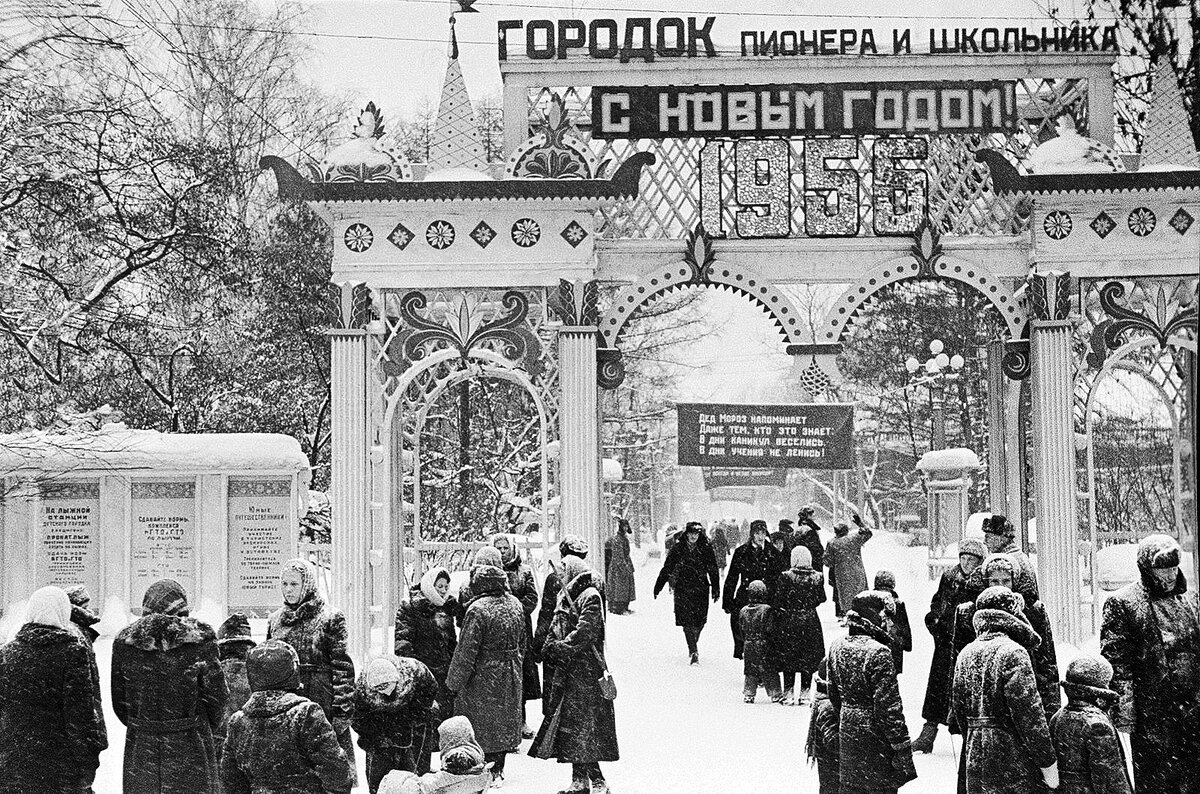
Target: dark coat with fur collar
<point x="50" y="736"/>
<point x="281" y="743"/>
<point x="587" y="728"/>
<point x="1090" y="758"/>
<point x="83" y="624"/>
<point x="169" y="691"/>
<point x="523" y="587"/>
<point x="425" y="632"/>
<point x="995" y="702"/>
<point x="486" y="671"/>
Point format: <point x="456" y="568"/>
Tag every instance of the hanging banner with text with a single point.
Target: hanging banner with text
<point x="807" y="436"/>
<point x="723" y="478"/>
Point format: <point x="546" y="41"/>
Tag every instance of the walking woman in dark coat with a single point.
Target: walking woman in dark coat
<point x="951" y="592"/>
<point x="50" y="734"/>
<point x="875" y="754"/>
<point x="618" y="569"/>
<point x="1151" y="636"/>
<point x="692" y="565"/>
<point x="425" y="632"/>
<point x="586" y="732"/>
<point x="754" y="561"/>
<point x="809" y="536"/>
<point x="318" y="633"/>
<point x="799" y="639"/>
<point x="485" y="673"/>
<point x="995" y="703"/>
<point x="523" y="587"/>
<point x="843" y="558"/>
<point x="169" y="692"/>
<point x="569" y="546"/>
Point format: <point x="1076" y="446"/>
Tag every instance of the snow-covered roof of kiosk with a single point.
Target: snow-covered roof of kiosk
<point x="955" y="459"/>
<point x="119" y="449"/>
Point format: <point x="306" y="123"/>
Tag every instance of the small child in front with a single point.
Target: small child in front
<point x="758" y="621"/>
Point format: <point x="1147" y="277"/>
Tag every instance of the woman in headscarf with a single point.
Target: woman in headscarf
<point x="523" y="587"/>
<point x="799" y="639"/>
<point x="169" y="692"/>
<point x="425" y="632"/>
<point x="586" y="723"/>
<point x="318" y="633"/>
<point x="485" y="672"/>
<point x="569" y="546"/>
<point x="618" y="569"/>
<point x="50" y="734"/>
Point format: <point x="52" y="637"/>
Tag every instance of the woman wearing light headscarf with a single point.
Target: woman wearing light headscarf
<point x="425" y="632"/>
<point x="50" y="736"/>
<point x="485" y="672"/>
<point x="169" y="691"/>
<point x="523" y="587"/>
<point x="318" y="633"/>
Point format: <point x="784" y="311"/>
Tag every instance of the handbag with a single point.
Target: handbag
<point x="606" y="682"/>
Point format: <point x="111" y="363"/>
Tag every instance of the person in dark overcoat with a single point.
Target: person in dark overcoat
<point x="995" y="703"/>
<point x="809" y="534"/>
<point x="618" y="569"/>
<point x="843" y="558"/>
<point x="1150" y="634"/>
<point x="394" y="716"/>
<point x="875" y="753"/>
<point x="586" y="732"/>
<point x="692" y="565"/>
<point x="233" y="641"/>
<point x="895" y="617"/>
<point x="318" y="633"/>
<point x="753" y="561"/>
<point x="822" y="744"/>
<point x="1000" y="570"/>
<point x="425" y="632"/>
<point x="524" y="588"/>
<point x="799" y="639"/>
<point x="1090" y="757"/>
<point x="169" y="691"/>
<point x="485" y="673"/>
<point x="50" y="734"/>
<point x="759" y="666"/>
<point x="280" y="742"/>
<point x="718" y="538"/>
<point x="951" y="592"/>
<point x="83" y="624"/>
<point x="569" y="546"/>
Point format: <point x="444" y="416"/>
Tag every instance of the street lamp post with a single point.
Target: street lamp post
<point x="937" y="370"/>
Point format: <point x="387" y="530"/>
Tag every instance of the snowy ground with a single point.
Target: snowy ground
<point x="686" y="729"/>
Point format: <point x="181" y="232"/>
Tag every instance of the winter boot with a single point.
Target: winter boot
<point x="788" y="698"/>
<point x="600" y="787"/>
<point x="695" y="658"/>
<point x="579" y="782"/>
<point x="924" y="742"/>
<point x="748" y="699"/>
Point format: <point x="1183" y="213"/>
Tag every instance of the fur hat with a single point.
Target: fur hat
<point x="273" y="665"/>
<point x="165" y="597"/>
<point x="488" y="555"/>
<point x="1002" y="598"/>
<point x="786" y="525"/>
<point x="400" y="782"/>
<point x="801" y="557"/>
<point x="865" y="616"/>
<point x="972" y="546"/>
<point x="885" y="580"/>
<point x="694" y="526"/>
<point x="78" y="595"/>
<point x="999" y="524"/>
<point x="236" y="628"/>
<point x="573" y="546"/>
<point x="1158" y="551"/>
<point x="757" y="592"/>
<point x="758" y="525"/>
<point x="841" y="528"/>
<point x="1002" y="562"/>
<point x="1090" y="677"/>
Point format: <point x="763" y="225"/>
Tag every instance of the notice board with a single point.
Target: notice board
<point x="797" y="436"/>
<point x="69" y="536"/>
<point x="163" y="543"/>
<point x="262" y="537"/>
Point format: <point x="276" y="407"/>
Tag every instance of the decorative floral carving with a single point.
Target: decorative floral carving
<point x="483" y="234"/>
<point x="358" y="237"/>
<point x="1103" y="224"/>
<point x="576" y="303"/>
<point x="1057" y="224"/>
<point x="526" y="232"/>
<point x="440" y="235"/>
<point x="610" y="370"/>
<point x="1181" y="221"/>
<point x="1161" y="315"/>
<point x="698" y="254"/>
<point x="574" y="233"/>
<point x="363" y="158"/>
<point x="926" y="248"/>
<point x="554" y="151"/>
<point x="400" y="236"/>
<point x="1050" y="296"/>
<point x="157" y="489"/>
<point x="470" y="325"/>
<point x="1142" y="221"/>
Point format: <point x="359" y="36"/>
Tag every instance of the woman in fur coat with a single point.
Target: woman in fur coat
<point x="169" y="691"/>
<point x="318" y="633"/>
<point x="523" y="587"/>
<point x="394" y="716"/>
<point x="50" y="734"/>
<point x="425" y="630"/>
<point x="799" y="639"/>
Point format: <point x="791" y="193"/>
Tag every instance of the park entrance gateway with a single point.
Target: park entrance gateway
<point x="639" y="163"/>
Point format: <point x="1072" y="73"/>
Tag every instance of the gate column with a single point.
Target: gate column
<point x="579" y="431"/>
<point x="1052" y="372"/>
<point x="350" y="476"/>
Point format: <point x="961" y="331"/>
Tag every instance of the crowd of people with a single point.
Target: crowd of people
<point x="210" y="711"/>
<point x="213" y="711"/>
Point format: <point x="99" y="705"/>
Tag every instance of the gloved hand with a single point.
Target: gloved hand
<point x="902" y="763"/>
<point x="1050" y="775"/>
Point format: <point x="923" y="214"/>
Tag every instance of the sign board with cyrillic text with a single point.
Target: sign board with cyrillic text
<point x="799" y="436"/>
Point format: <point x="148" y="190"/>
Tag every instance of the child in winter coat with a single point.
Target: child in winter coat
<point x="757" y="621"/>
<point x="463" y="769"/>
<point x="233" y="641"/>
<point x="393" y="715"/>
<point x="1090" y="758"/>
<point x="822" y="745"/>
<point x="895" y="618"/>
